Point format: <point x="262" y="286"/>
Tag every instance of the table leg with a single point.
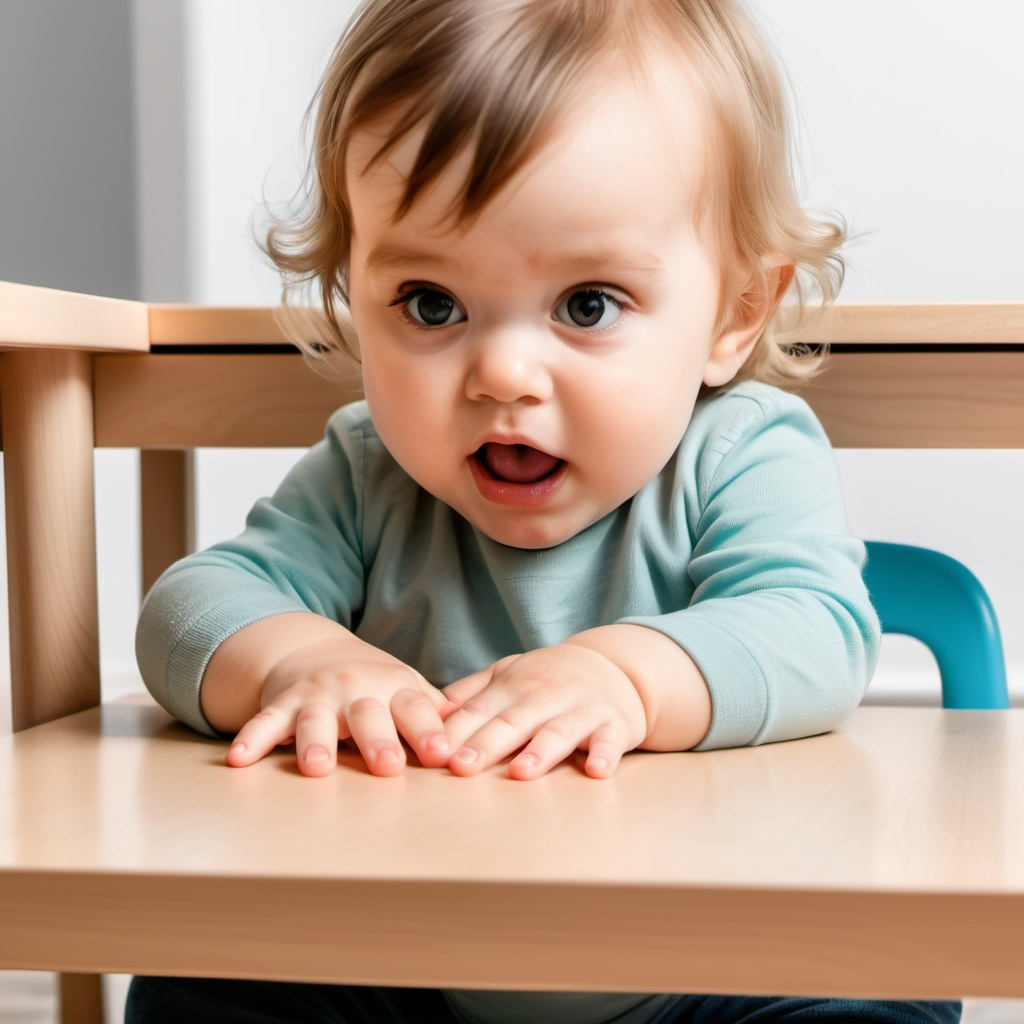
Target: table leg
<point x="81" y="999"/>
<point x="47" y="409"/>
<point x="168" y="510"/>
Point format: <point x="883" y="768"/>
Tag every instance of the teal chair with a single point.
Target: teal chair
<point x="939" y="601"/>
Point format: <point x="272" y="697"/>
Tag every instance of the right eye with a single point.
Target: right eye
<point x="589" y="309"/>
<point x="430" y="307"/>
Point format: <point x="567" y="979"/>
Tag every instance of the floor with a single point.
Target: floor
<point x="27" y="998"/>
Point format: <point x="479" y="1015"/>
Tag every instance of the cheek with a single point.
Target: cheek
<point x="382" y="370"/>
<point x="396" y="406"/>
<point x="636" y="418"/>
<point x="391" y="400"/>
<point x="400" y="389"/>
<point x="408" y="410"/>
<point x="654" y="391"/>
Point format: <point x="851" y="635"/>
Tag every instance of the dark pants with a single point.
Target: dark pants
<point x="212" y="1001"/>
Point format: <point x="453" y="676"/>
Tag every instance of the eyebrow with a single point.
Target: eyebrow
<point x="591" y="263"/>
<point x="387" y="257"/>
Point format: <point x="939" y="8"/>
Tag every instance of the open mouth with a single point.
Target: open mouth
<point x="516" y="463"/>
<point x="516" y="473"/>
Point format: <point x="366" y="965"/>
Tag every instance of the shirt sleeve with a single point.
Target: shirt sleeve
<point x="780" y="623"/>
<point x="300" y="551"/>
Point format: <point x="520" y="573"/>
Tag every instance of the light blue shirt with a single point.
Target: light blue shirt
<point x="739" y="550"/>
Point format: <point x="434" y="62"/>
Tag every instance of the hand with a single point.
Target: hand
<point x="554" y="700"/>
<point x="339" y="687"/>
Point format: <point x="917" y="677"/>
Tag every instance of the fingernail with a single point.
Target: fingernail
<point x="600" y="763"/>
<point x="387" y="755"/>
<point x="527" y="760"/>
<point x="316" y="753"/>
<point x="237" y="748"/>
<point x="467" y="755"/>
<point x="435" y="741"/>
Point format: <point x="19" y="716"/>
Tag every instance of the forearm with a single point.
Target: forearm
<point x="235" y="675"/>
<point x="675" y="696"/>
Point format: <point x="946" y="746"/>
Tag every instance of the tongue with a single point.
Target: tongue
<point x="517" y="463"/>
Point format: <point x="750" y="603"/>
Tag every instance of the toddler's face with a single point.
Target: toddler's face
<point x="536" y="368"/>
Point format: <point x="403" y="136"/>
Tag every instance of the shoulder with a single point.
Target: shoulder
<point x="748" y="407"/>
<point x="384" y="490"/>
<point x="351" y="437"/>
<point x="342" y="470"/>
<point x="351" y="429"/>
<point x="751" y="425"/>
<point x="727" y="419"/>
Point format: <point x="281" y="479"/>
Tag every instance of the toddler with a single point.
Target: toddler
<point x="573" y="512"/>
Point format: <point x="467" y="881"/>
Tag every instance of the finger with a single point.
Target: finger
<point x="316" y="739"/>
<point x="499" y="736"/>
<point x="442" y="703"/>
<point x="605" y="751"/>
<point x="417" y="718"/>
<point x="552" y="743"/>
<point x="472" y="716"/>
<point x="469" y="686"/>
<point x="447" y="708"/>
<point x="263" y="732"/>
<point x="373" y="730"/>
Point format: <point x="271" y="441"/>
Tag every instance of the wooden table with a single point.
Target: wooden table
<point x="884" y="859"/>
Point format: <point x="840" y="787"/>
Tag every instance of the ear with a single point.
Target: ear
<point x="753" y="310"/>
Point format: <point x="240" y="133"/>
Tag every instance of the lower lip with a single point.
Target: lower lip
<point x="502" y="492"/>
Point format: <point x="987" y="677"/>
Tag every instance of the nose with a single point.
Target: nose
<point x="508" y="366"/>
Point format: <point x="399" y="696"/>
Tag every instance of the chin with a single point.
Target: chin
<point x="528" y="536"/>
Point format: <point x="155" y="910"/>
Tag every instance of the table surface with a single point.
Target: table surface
<point x="885" y="858"/>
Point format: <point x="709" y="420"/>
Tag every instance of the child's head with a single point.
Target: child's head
<point x="554" y="222"/>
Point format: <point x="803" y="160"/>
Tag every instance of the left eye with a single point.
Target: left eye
<point x="430" y="307"/>
<point x="590" y="309"/>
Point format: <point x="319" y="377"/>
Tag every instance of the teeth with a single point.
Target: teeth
<point x="517" y="463"/>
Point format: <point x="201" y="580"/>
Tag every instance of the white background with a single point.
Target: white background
<point x="909" y="126"/>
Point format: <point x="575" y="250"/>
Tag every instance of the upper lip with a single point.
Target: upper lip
<point x="498" y="437"/>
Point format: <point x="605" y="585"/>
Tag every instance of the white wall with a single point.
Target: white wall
<point x="911" y="129"/>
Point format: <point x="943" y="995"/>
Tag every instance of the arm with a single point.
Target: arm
<point x="780" y="625"/>
<point x="252" y="635"/>
<point x="299" y="553"/>
<point x="778" y="641"/>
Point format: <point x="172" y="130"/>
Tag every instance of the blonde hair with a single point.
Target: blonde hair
<point x="489" y="77"/>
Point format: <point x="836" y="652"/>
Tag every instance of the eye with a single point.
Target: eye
<point x="590" y="309"/>
<point x="430" y="307"/>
